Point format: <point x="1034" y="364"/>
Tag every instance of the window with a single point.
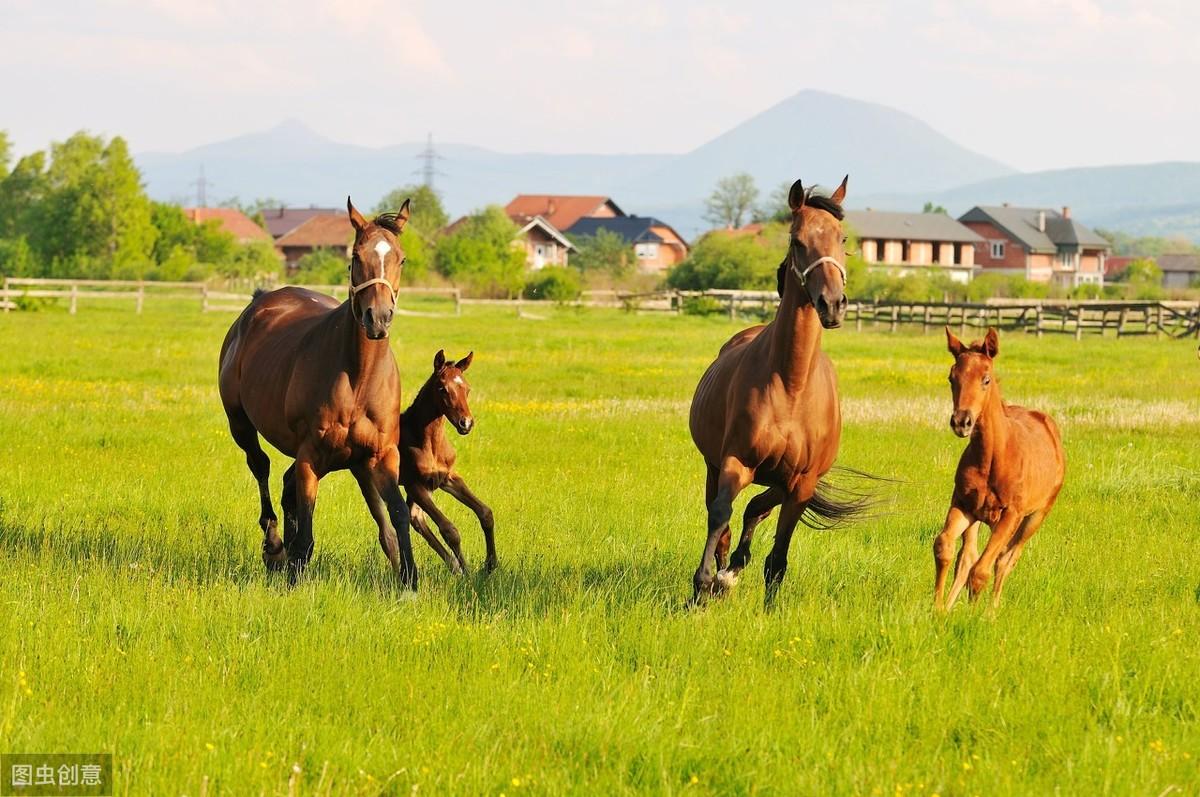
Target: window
<point x="997" y="250"/>
<point x="646" y="251"/>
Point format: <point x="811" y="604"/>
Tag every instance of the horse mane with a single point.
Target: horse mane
<point x="390" y="222"/>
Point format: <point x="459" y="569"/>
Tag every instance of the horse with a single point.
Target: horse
<point x="427" y="460"/>
<point x="766" y="411"/>
<point x="317" y="379"/>
<point x="1008" y="477"/>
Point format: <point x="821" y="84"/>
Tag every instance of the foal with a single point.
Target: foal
<point x="427" y="459"/>
<point x="1008" y="477"/>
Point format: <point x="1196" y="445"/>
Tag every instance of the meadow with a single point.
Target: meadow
<point x="137" y="617"/>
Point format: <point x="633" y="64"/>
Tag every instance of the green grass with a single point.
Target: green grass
<point x="135" y="615"/>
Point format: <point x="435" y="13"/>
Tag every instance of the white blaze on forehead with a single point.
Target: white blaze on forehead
<point x="458" y="379"/>
<point x="381" y="249"/>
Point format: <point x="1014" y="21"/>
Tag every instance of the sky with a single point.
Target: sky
<point x="1036" y="84"/>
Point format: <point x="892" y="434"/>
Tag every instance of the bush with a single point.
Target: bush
<point x="321" y="267"/>
<point x="483" y="254"/>
<point x="556" y="283"/>
<point x="702" y="305"/>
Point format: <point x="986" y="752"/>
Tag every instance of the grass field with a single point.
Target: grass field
<point x="136" y="617"/>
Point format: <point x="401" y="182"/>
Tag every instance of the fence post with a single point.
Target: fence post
<point x="858" y="310"/>
<point x="204" y="298"/>
<point x="7" y="300"/>
<point x="1079" y="323"/>
<point x="925" y="326"/>
<point x="141" y="297"/>
<point x="457" y="301"/>
<point x="74" y="297"/>
<point x="895" y="317"/>
<point x="732" y="316"/>
<point x="962" y="322"/>
<point x="1039" y="320"/>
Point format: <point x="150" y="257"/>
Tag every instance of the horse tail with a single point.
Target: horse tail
<point x="834" y="503"/>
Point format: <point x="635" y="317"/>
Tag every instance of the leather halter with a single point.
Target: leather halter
<point x="802" y="274"/>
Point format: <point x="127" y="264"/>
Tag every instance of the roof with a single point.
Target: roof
<point x="281" y="221"/>
<point x="634" y="229"/>
<point x="1115" y="264"/>
<point x="332" y="230"/>
<point x="1022" y="225"/>
<point x="910" y="226"/>
<point x="231" y="220"/>
<point x="1179" y="262"/>
<point x="528" y="222"/>
<point x="561" y="211"/>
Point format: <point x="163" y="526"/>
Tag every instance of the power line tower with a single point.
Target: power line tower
<point x="429" y="159"/>
<point x="202" y="184"/>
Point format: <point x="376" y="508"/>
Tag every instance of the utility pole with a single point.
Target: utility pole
<point x="202" y="185"/>
<point x="429" y="159"/>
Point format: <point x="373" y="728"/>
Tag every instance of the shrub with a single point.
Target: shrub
<point x="556" y="283"/>
<point x="320" y="267"/>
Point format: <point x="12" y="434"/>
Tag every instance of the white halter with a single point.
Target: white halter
<point x="802" y="274"/>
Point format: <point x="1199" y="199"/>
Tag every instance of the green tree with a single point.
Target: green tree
<point x="932" y="208"/>
<point x="724" y="261"/>
<point x="21" y="193"/>
<point x="777" y="208"/>
<point x="427" y="215"/>
<point x="604" y="251"/>
<point x="320" y="267"/>
<point x="732" y="201"/>
<point x="483" y="255"/>
<point x="556" y="283"/>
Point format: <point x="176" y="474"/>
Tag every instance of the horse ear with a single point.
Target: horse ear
<point x="840" y="194"/>
<point x="465" y="362"/>
<point x="953" y="344"/>
<point x="439" y="360"/>
<point x="402" y="215"/>
<point x="796" y="196"/>
<point x="991" y="343"/>
<point x="356" y="218"/>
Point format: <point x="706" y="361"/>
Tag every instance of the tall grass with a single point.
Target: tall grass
<point x="135" y="615"/>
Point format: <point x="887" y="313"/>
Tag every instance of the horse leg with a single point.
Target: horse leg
<point x="943" y="549"/>
<point x="775" y="567"/>
<point x="417" y="519"/>
<point x="981" y="571"/>
<point x="1008" y="559"/>
<point x="445" y="525"/>
<point x="288" y="501"/>
<point x="246" y="436"/>
<point x="300" y="548"/>
<point x="457" y="487"/>
<point x="758" y="510"/>
<point x="395" y="537"/>
<point x="733" y="478"/>
<point x="968" y="555"/>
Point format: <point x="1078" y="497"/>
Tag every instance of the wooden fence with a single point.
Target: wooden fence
<point x="1037" y="316"/>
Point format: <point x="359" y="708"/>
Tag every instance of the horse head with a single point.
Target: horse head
<point x="375" y="263"/>
<point x="816" y="250"/>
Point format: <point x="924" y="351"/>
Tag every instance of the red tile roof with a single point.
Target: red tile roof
<point x="281" y="221"/>
<point x="561" y="211"/>
<point x="232" y="221"/>
<point x="329" y="230"/>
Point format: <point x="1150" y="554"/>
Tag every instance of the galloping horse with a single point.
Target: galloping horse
<point x="317" y="379"/>
<point x="766" y="411"/>
<point x="427" y="460"/>
<point x="1008" y="477"/>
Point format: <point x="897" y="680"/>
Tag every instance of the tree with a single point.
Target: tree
<point x="604" y="251"/>
<point x="426" y="214"/>
<point x="932" y="208"/>
<point x="777" y="208"/>
<point x="724" y="261"/>
<point x="731" y="201"/>
<point x="482" y="254"/>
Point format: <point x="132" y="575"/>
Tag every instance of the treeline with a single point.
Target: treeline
<point x="79" y="210"/>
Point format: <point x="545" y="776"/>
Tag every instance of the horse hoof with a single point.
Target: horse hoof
<point x="274" y="560"/>
<point x="725" y="581"/>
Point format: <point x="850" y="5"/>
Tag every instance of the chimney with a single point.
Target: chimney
<point x="1066" y="211"/>
<point x="1041" y="221"/>
<point x="1004" y="204"/>
<point x="550" y="207"/>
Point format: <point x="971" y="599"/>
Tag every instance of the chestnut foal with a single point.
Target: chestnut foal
<point x="427" y="460"/>
<point x="1008" y="477"/>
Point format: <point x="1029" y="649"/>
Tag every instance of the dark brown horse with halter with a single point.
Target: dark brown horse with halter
<point x="317" y="379"/>
<point x="1008" y="477"/>
<point x="766" y="411"/>
<point x="427" y="460"/>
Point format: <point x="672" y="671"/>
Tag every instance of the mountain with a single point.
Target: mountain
<point x="1161" y="199"/>
<point x="894" y="160"/>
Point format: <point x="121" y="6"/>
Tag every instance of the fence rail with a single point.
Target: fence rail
<point x="1037" y="316"/>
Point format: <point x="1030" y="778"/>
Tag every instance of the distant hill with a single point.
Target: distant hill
<point x="894" y="161"/>
<point x="1161" y="199"/>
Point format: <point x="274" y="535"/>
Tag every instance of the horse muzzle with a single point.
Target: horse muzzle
<point x="831" y="315"/>
<point x="464" y="425"/>
<point x="376" y="324"/>
<point x="962" y="423"/>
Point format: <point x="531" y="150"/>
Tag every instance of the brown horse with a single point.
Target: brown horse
<point x="1008" y="477"/>
<point x="317" y="379"/>
<point x="766" y="411"/>
<point x="427" y="459"/>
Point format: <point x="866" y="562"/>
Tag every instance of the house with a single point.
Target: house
<point x="1039" y="244"/>
<point x="1179" y="271"/>
<point x="330" y="230"/>
<point x="281" y="221"/>
<point x="232" y="221"/>
<point x="904" y="243"/>
<point x="1115" y="265"/>
<point x="655" y="244"/>
<point x="544" y="244"/>
<point x="562" y="211"/>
